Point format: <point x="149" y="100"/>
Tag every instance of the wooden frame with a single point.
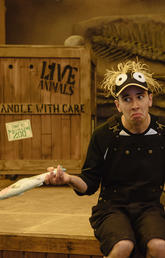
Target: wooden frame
<point x="2" y="22"/>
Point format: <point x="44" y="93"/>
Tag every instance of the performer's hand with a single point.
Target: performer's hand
<point x="59" y="178"/>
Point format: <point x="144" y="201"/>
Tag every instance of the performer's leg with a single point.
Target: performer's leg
<point x="122" y="249"/>
<point x="156" y="248"/>
<point x="150" y="232"/>
<point x="114" y="231"/>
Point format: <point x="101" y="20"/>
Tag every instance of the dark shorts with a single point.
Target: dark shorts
<point x="136" y="222"/>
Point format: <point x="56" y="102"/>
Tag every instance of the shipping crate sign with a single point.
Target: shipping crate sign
<point x="19" y="130"/>
<point x="37" y="108"/>
<point x="46" y="104"/>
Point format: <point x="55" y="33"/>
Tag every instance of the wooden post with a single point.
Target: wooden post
<point x="2" y="22"/>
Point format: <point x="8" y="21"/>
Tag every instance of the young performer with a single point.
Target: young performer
<point x="126" y="156"/>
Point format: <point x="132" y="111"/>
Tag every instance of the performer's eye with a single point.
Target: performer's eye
<point x="127" y="99"/>
<point x="121" y="79"/>
<point x="139" y="77"/>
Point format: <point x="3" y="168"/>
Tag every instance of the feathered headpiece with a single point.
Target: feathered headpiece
<point x="130" y="73"/>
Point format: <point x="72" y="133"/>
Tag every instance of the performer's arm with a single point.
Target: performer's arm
<point x="64" y="178"/>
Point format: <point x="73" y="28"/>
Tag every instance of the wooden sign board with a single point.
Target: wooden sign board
<point x="54" y="89"/>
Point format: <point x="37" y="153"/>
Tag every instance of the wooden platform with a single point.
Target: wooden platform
<point x="47" y="222"/>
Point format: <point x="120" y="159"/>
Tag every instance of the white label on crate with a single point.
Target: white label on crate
<point x="19" y="130"/>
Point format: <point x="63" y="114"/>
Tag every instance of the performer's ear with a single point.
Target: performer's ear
<point x="116" y="101"/>
<point x="150" y="96"/>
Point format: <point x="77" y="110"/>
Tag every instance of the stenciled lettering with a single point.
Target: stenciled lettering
<point x="41" y="108"/>
<point x="15" y="108"/>
<point x="62" y="83"/>
<point x="73" y="109"/>
<point x="48" y="108"/>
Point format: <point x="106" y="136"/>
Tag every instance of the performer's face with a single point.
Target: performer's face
<point x="134" y="103"/>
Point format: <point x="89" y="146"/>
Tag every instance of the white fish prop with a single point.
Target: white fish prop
<point x="24" y="185"/>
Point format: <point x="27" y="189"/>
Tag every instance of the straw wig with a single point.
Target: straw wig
<point x="128" y="74"/>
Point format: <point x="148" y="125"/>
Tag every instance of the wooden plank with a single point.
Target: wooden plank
<point x="1" y="254"/>
<point x="79" y="256"/>
<point x="16" y="84"/>
<point x="86" y="99"/>
<point x="13" y="254"/>
<point x="46" y="123"/>
<point x="40" y="51"/>
<point x="37" y="166"/>
<point x="65" y="120"/>
<point x="56" y="140"/>
<point x="76" y="120"/>
<point x="96" y="256"/>
<point x="36" y="140"/>
<point x="50" y="244"/>
<point x="3" y="135"/>
<point x="35" y="65"/>
<point x="46" y="139"/>
<point x="26" y="92"/>
<point x="9" y="96"/>
<point x="27" y="145"/>
<point x="2" y="118"/>
<point x="57" y="256"/>
<point x="2" y="22"/>
<point x="65" y="124"/>
<point x="34" y="255"/>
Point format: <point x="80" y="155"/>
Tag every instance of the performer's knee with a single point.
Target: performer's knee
<point x="124" y="247"/>
<point x="156" y="247"/>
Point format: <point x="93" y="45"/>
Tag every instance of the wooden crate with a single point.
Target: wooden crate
<point x="2" y="22"/>
<point x="54" y="88"/>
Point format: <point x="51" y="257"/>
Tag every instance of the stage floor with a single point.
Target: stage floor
<point x="47" y="210"/>
<point x="49" y="221"/>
